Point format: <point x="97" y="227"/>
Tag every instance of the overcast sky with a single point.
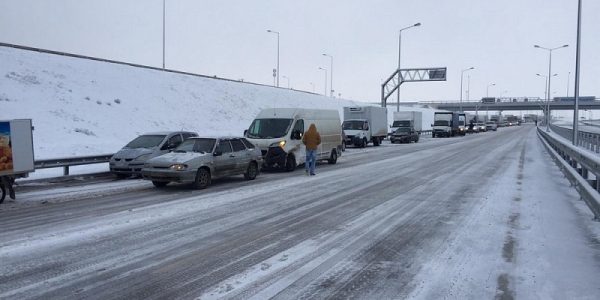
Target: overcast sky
<point x="229" y="39"/>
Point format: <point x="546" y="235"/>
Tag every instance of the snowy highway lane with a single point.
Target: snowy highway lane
<point x="478" y="217"/>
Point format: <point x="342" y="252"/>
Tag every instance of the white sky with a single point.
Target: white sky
<point x="229" y="39"/>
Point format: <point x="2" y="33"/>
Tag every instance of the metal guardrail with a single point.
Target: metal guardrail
<point x="587" y="140"/>
<point x="582" y="169"/>
<point x="67" y="162"/>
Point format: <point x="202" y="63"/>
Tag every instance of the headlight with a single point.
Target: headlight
<point x="282" y="144"/>
<point x="179" y="167"/>
<point x="143" y="157"/>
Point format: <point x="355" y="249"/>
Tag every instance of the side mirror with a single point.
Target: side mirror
<point x="431" y="125"/>
<point x="296" y="135"/>
<point x="218" y="153"/>
<point x="245" y="132"/>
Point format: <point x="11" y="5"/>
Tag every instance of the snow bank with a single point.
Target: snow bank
<point x="86" y="107"/>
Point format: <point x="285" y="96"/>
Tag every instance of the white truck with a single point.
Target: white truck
<point x="365" y="124"/>
<point x="16" y="153"/>
<point x="412" y="119"/>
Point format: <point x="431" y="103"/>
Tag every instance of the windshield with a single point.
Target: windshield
<point x="146" y="141"/>
<point x="269" y="128"/>
<point x="353" y="125"/>
<point x="461" y="122"/>
<point x="490" y="123"/>
<point x="196" y="145"/>
<point x="402" y="129"/>
<point x="401" y="124"/>
<point x="441" y="123"/>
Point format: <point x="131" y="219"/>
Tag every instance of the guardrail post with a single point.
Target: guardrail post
<point x="66" y="170"/>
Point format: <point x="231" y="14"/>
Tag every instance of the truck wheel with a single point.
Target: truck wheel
<point x="2" y="193"/>
<point x="417" y="140"/>
<point x="160" y="184"/>
<point x="290" y="163"/>
<point x="203" y="179"/>
<point x="433" y="135"/>
<point x="364" y="143"/>
<point x="376" y="141"/>
<point x="333" y="158"/>
<point x="343" y="146"/>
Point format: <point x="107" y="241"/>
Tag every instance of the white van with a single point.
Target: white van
<point x="278" y="133"/>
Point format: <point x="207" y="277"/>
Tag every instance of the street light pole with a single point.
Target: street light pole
<point x="399" y="57"/>
<point x="549" y="79"/>
<point x="278" y="71"/>
<point x="461" y="84"/>
<point x="546" y="95"/>
<point x="331" y="73"/>
<point x="487" y="89"/>
<point x="325" y="93"/>
<point x="577" y="61"/>
<point x="163" y="44"/>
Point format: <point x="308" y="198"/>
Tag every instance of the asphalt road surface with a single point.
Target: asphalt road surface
<point x="359" y="229"/>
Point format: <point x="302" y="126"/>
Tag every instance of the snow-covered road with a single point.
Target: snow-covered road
<point x="478" y="217"/>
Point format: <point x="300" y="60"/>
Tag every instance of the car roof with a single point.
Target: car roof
<point x="217" y="137"/>
<point x="167" y="132"/>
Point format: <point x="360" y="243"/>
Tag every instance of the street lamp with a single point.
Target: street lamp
<point x="549" y="76"/>
<point x="546" y="96"/>
<point x="325" y="93"/>
<point x="331" y="73"/>
<point x="163" y="44"/>
<point x="461" y="84"/>
<point x="288" y="80"/>
<point x="399" y="57"/>
<point x="276" y="32"/>
<point x="487" y="89"/>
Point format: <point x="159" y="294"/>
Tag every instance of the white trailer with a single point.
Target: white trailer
<point x="407" y="119"/>
<point x="365" y="124"/>
<point x="16" y="153"/>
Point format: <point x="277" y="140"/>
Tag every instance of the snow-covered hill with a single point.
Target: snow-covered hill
<point x="86" y="107"/>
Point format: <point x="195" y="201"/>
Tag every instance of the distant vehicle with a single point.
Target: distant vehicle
<point x="16" y="154"/>
<point x="572" y="99"/>
<point x="365" y="124"/>
<point x="472" y="128"/>
<point x="488" y="100"/>
<point x="462" y="123"/>
<point x="491" y="126"/>
<point x="481" y="127"/>
<point x="405" y="135"/>
<point x="412" y="119"/>
<point x="445" y="123"/>
<point x="130" y="159"/>
<point x="198" y="160"/>
<point x="278" y="132"/>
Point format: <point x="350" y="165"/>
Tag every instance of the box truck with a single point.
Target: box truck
<point x="412" y="119"/>
<point x="365" y="124"/>
<point x="446" y="124"/>
<point x="278" y="133"/>
<point x="16" y="153"/>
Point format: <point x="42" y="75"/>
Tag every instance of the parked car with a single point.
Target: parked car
<point x="491" y="126"/>
<point x="472" y="128"/>
<point x="405" y="135"/>
<point x="131" y="158"/>
<point x="198" y="160"/>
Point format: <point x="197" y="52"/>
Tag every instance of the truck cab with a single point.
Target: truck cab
<point x="357" y="132"/>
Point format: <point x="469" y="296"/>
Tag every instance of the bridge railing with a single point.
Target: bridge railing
<point x="587" y="140"/>
<point x="581" y="167"/>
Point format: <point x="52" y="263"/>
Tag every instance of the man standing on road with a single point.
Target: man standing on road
<point x="312" y="140"/>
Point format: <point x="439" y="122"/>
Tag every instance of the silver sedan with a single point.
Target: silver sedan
<point x="199" y="160"/>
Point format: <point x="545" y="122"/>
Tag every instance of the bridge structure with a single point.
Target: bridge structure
<point x="512" y="105"/>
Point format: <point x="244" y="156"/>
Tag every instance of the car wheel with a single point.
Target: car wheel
<point x="333" y="158"/>
<point x="290" y="163"/>
<point x="376" y="141"/>
<point x="364" y="143"/>
<point x="251" y="171"/>
<point x="343" y="146"/>
<point x="202" y="179"/>
<point x="417" y="140"/>
<point x="2" y="193"/>
<point x="160" y="184"/>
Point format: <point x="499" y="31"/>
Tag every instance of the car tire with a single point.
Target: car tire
<point x="376" y="141"/>
<point x="364" y="143"/>
<point x="160" y="184"/>
<point x="203" y="178"/>
<point x="2" y="193"/>
<point x="417" y="140"/>
<point x="343" y="146"/>
<point x="333" y="158"/>
<point x="290" y="163"/>
<point x="251" y="171"/>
